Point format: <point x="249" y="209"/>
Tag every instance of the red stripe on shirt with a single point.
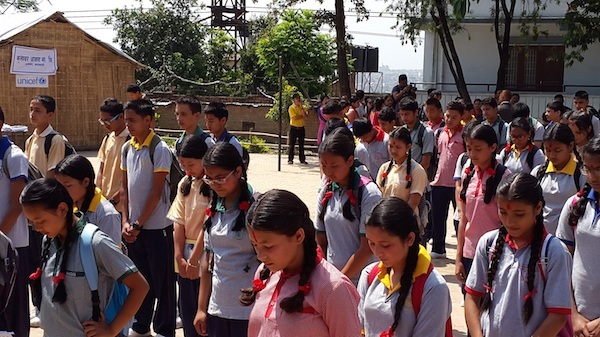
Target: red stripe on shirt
<point x="474" y="292"/>
<point x="562" y="311"/>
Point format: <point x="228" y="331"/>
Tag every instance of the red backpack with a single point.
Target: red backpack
<point x="418" y="287"/>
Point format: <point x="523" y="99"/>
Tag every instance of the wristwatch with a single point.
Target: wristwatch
<point x="136" y="225"/>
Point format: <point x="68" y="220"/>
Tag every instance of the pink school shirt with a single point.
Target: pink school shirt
<point x="449" y="148"/>
<point x="330" y="307"/>
<point x="481" y="217"/>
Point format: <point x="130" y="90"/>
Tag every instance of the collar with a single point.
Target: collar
<point x="124" y="133"/>
<point x="220" y="207"/>
<point x="197" y="132"/>
<point x="490" y="170"/>
<point x="138" y="146"/>
<point x="508" y="239"/>
<point x="96" y="200"/>
<point x="447" y="130"/>
<point x="568" y="169"/>
<point x="380" y="137"/>
<point x="423" y="262"/>
<point x="592" y="195"/>
<point x="223" y="136"/>
<point x="433" y="126"/>
<point x="44" y="133"/>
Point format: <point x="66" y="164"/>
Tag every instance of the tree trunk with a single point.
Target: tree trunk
<point x="340" y="40"/>
<point x="503" y="40"/>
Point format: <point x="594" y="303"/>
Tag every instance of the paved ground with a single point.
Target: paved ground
<point x="304" y="181"/>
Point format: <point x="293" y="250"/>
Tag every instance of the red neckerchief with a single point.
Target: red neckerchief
<point x="380" y="134"/>
<point x="447" y="130"/>
<point x="490" y="170"/>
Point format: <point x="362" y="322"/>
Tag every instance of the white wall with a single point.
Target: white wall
<point x="482" y="9"/>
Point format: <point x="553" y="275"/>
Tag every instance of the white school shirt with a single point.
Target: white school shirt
<point x="377" y="151"/>
<point x="17" y="167"/>
<point x="519" y="164"/>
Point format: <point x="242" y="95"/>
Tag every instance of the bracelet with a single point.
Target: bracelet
<point x="113" y="202"/>
<point x="192" y="265"/>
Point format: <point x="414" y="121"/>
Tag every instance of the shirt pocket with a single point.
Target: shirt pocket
<point x="77" y="286"/>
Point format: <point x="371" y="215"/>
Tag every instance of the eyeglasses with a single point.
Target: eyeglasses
<point x="590" y="172"/>
<point x="107" y="122"/>
<point x="217" y="181"/>
<point x="518" y="137"/>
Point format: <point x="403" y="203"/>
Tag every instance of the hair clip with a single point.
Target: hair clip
<point x="258" y="285"/>
<point x="58" y="278"/>
<point x="529" y="295"/>
<point x="488" y="289"/>
<point x="36" y="275"/>
<point x="388" y="333"/>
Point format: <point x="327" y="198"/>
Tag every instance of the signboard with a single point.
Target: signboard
<point x="33" y="61"/>
<point x="32" y="81"/>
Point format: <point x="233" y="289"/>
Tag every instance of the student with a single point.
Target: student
<point x="374" y="114"/>
<point x="375" y="140"/>
<point x="521" y="110"/>
<point x="386" y="120"/>
<point x="462" y="163"/>
<point x="519" y="261"/>
<point x="333" y="109"/>
<point x="362" y="107"/>
<point x="581" y="102"/>
<point x="385" y="286"/>
<point x="423" y="140"/>
<point x="295" y="292"/>
<point x="477" y="106"/>
<point x="322" y="120"/>
<point x="581" y="125"/>
<point x="134" y="92"/>
<point x="342" y="207"/>
<point x="469" y="114"/>
<point x="577" y="228"/>
<point x="187" y="111"/>
<point x="560" y="176"/>
<point x="41" y="112"/>
<point x="515" y="98"/>
<point x="187" y="213"/>
<point x="450" y="144"/>
<point x="216" y="116"/>
<point x="553" y="112"/>
<point x="76" y="174"/>
<point x="435" y="114"/>
<point x="505" y="106"/>
<point x="521" y="155"/>
<point x="478" y="207"/>
<point x="230" y="260"/>
<point x="352" y="113"/>
<point x="360" y="153"/>
<point x="489" y="106"/>
<point x="13" y="224"/>
<point x="66" y="305"/>
<point x="146" y="230"/>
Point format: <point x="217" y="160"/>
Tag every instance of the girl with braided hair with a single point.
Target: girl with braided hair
<point x="230" y="261"/>
<point x="520" y="155"/>
<point x="404" y="269"/>
<point x="295" y="292"/>
<point x="578" y="229"/>
<point x="519" y="284"/>
<point x="66" y="305"/>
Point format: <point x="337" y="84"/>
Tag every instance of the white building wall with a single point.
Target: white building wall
<point x="482" y="8"/>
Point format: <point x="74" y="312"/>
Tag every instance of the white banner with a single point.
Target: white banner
<point x="28" y="61"/>
<point x="32" y="81"/>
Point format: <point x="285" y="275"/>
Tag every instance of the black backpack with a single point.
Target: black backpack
<point x="69" y="149"/>
<point x="433" y="163"/>
<point x="33" y="173"/>
<point x="8" y="270"/>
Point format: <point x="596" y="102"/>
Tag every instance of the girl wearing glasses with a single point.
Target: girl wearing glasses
<point x="187" y="213"/>
<point x="520" y="155"/>
<point x="230" y="262"/>
<point x="577" y="228"/>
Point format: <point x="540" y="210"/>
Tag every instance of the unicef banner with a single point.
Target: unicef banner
<point x="32" y="81"/>
<point x="33" y="61"/>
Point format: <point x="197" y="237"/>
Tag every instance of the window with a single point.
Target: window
<point x="535" y="68"/>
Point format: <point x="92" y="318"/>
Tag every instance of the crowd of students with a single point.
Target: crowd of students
<point x="390" y="167"/>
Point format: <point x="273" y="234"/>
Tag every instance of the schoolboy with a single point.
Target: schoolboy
<point x="134" y="92"/>
<point x="109" y="176"/>
<point x="504" y="107"/>
<point x="469" y="114"/>
<point x="216" y="116"/>
<point x="334" y="109"/>
<point x="387" y="119"/>
<point x="581" y="101"/>
<point x="477" y="106"/>
<point x="14" y="224"/>
<point x="41" y="112"/>
<point x="187" y="111"/>
<point x="422" y="147"/>
<point x="375" y="141"/>
<point x="489" y="107"/>
<point x="435" y="114"/>
<point x="148" y="233"/>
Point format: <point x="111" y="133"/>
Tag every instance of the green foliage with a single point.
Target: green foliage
<point x="21" y="6"/>
<point x="255" y="145"/>
<point x="583" y="28"/>
<point x="297" y="39"/>
<point x="288" y="91"/>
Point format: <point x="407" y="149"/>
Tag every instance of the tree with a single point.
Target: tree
<point x="297" y="39"/>
<point x="19" y="5"/>
<point x="583" y="28"/>
<point x="255" y="76"/>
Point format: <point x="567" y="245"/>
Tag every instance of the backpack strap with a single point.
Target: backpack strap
<point x="464" y="159"/>
<point x="88" y="260"/>
<point x="48" y="142"/>
<point x="577" y="176"/>
<point x="530" y="155"/>
<point x="228" y="137"/>
<point x="373" y="274"/>
<point x="5" y="153"/>
<point x="152" y="148"/>
<point x="420" y="135"/>
<point x="418" y="288"/>
<point x="542" y="263"/>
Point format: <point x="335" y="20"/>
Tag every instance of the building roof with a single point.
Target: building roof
<point x="13" y="24"/>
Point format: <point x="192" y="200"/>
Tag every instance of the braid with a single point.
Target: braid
<point x="248" y="294"/>
<point x="245" y="196"/>
<point x="577" y="155"/>
<point x="328" y="188"/>
<point x="205" y="190"/>
<point x="211" y="209"/>
<point x="296" y="302"/>
<point x="542" y="172"/>
<point x="406" y="281"/>
<point x="60" y="293"/>
<point x="36" y="284"/>
<point x="466" y="182"/>
<point x="495" y="260"/>
<point x="87" y="200"/>
<point x="408" y="169"/>
<point x="347" y="208"/>
<point x="579" y="207"/>
<point x="534" y="257"/>
<point x="387" y="171"/>
<point x="186" y="186"/>
<point x="491" y="184"/>
<point x="507" y="151"/>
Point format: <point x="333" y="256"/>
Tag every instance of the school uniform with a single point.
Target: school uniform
<point x="297" y="132"/>
<point x="377" y="151"/>
<point x="198" y="132"/>
<point x="501" y="130"/>
<point x="516" y="161"/>
<point x="423" y="146"/>
<point x="395" y="181"/>
<point x="152" y="252"/>
<point x="110" y="157"/>
<point x="65" y="319"/>
<point x="34" y="150"/>
<point x="584" y="239"/>
<point x="538" y="129"/>
<point x="378" y="303"/>
<point x="232" y="140"/>
<point x="330" y="307"/>
<point x="460" y="168"/>
<point x="18" y="306"/>
<point x="235" y="263"/>
<point x="189" y="211"/>
<point x="509" y="289"/>
<point x="104" y="215"/>
<point x="557" y="187"/>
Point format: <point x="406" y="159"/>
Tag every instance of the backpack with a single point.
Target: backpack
<point x="178" y="144"/>
<point x="433" y="163"/>
<point x="245" y="153"/>
<point x="528" y="160"/>
<point x="69" y="149"/>
<point x="418" y="288"/>
<point x="90" y="268"/>
<point x="33" y="173"/>
<point x="8" y="270"/>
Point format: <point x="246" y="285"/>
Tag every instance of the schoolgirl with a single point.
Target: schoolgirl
<point x="374" y="114"/>
<point x="578" y="228"/>
<point x="344" y="201"/>
<point x="560" y="176"/>
<point x="520" y="155"/>
<point x="404" y="269"/>
<point x="76" y="174"/>
<point x="66" y="306"/>
<point x="187" y="213"/>
<point x="230" y="260"/>
<point x="461" y="164"/>
<point x="295" y="291"/>
<point x="580" y="123"/>
<point x="519" y="284"/>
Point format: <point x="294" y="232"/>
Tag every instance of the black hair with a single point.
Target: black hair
<point x="193" y="147"/>
<point x="522" y="187"/>
<point x="517" y="95"/>
<point x="581" y="94"/>
<point x="334" y="123"/>
<point x="332" y="107"/>
<point x="217" y="109"/>
<point x="360" y="94"/>
<point x="1" y="115"/>
<point x="560" y="133"/>
<point x="523" y="124"/>
<point x="282" y="212"/>
<point x="112" y="106"/>
<point x="361" y="127"/>
<point x="47" y="101"/>
<point x="466" y="133"/>
<point x="556" y="106"/>
<point x="488" y="135"/>
<point x="141" y="107"/>
<point x="354" y="99"/>
<point x="226" y="156"/>
<point x="134" y="88"/>
<point x="49" y="194"/>
<point x="477" y="100"/>
<point x="469" y="106"/>
<point x="79" y="167"/>
<point x="456" y="105"/>
<point x="520" y="110"/>
<point x="408" y="104"/>
<point x="386" y="114"/>
<point x="385" y="215"/>
<point x="559" y="97"/>
<point x="430" y="92"/>
<point x="322" y="97"/>
<point x="491" y="101"/>
<point x="433" y="101"/>
<point x="192" y="102"/>
<point x="296" y="95"/>
<point x="401" y="134"/>
<point x="583" y="121"/>
<point x="344" y="104"/>
<point x="378" y="106"/>
<point x="592" y="148"/>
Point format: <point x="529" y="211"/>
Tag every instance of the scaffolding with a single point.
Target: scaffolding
<point x="230" y="16"/>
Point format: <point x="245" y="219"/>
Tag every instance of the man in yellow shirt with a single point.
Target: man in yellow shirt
<point x="298" y="116"/>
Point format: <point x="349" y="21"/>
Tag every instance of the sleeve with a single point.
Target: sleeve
<point x="238" y="146"/>
<point x="341" y="310"/>
<point x="207" y="243"/>
<point x="557" y="289"/>
<point x="292" y="111"/>
<point x="18" y="166"/>
<point x="162" y="158"/>
<point x="478" y="275"/>
<point x="436" y="307"/>
<point x="210" y="142"/>
<point x="458" y="170"/>
<point x="177" y="211"/>
<point x="503" y="136"/>
<point x="428" y="142"/>
<point x="535" y="170"/>
<point x="361" y="153"/>
<point x="124" y="151"/>
<point x="419" y="179"/>
<point x="109" y="258"/>
<point x="109" y="221"/>
<point x="538" y="135"/>
<point x="539" y="159"/>
<point x="564" y="231"/>
<point x="319" y="224"/>
<point x="500" y="156"/>
<point x="57" y="152"/>
<point x="363" y="287"/>
<point x="28" y="147"/>
<point x="370" y="197"/>
<point x="101" y="154"/>
<point x="382" y="169"/>
<point x="595" y="125"/>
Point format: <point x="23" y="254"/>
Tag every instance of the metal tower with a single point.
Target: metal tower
<point x="230" y="16"/>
